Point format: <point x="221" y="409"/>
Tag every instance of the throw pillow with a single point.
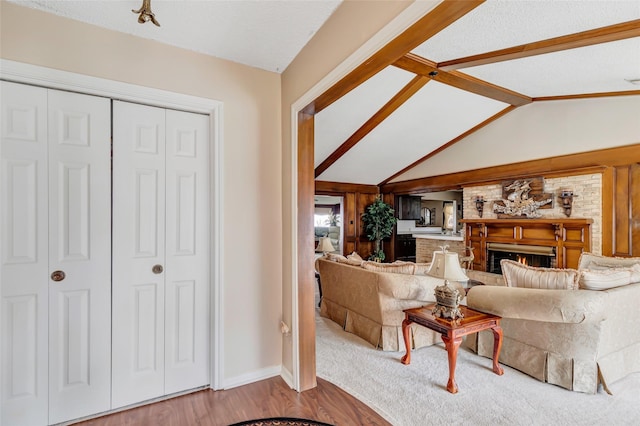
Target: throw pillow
<point x="603" y="279"/>
<point x="519" y="275"/>
<point x="335" y="257"/>
<point x="397" y="268"/>
<point x="596" y="261"/>
<point x="422" y="268"/>
<point x="354" y="259"/>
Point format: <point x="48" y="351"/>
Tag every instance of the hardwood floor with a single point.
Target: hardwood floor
<point x="267" y="398"/>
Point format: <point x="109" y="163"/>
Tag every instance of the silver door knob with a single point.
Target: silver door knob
<point x="58" y="275"/>
<point x="157" y="269"/>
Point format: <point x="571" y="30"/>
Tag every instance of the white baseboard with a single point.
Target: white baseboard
<point x="253" y="376"/>
<point x="287" y="376"/>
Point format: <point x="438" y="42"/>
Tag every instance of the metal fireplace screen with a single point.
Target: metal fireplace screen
<point x="538" y="256"/>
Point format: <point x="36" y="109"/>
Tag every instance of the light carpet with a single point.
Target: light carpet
<point x="415" y="394"/>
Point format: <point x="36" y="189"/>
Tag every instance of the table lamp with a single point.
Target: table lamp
<point x="446" y="265"/>
<point x="325" y="245"/>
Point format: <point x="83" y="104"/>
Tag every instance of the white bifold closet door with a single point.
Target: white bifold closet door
<point x="160" y="252"/>
<point x="56" y="255"/>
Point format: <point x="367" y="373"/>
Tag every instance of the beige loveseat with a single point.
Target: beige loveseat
<point x="369" y="304"/>
<point x="575" y="339"/>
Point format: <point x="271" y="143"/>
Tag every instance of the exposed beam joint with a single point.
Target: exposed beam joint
<point x="450" y="143"/>
<point x="419" y="65"/>
<point x="586" y="38"/>
<point x="432" y="23"/>
<point x="400" y="98"/>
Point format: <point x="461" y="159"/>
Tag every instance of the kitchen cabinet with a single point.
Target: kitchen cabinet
<point x="405" y="248"/>
<point x="409" y="207"/>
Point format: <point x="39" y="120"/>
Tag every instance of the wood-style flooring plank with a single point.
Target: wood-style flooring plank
<point x="267" y="398"/>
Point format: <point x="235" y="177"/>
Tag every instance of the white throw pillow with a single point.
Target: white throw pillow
<point x="603" y="279"/>
<point x="519" y="275"/>
<point x="595" y="261"/>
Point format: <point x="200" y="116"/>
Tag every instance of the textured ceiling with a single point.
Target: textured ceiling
<point x="266" y="34"/>
<point x="438" y="114"/>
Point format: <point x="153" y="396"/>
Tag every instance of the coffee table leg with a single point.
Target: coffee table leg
<point x="452" y="346"/>
<point x="497" y="345"/>
<point x="407" y="344"/>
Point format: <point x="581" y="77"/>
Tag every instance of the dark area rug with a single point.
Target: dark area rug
<point x="281" y="421"/>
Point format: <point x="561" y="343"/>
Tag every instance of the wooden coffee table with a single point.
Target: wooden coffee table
<point x="451" y="332"/>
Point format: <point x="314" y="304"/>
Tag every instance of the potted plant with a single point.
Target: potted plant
<point x="379" y="218"/>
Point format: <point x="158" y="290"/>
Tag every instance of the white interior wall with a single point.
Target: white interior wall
<point x="540" y="130"/>
<point x="252" y="158"/>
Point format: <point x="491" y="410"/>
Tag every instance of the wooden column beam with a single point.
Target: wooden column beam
<point x="400" y="98"/>
<point x="433" y="22"/>
<point x="419" y="65"/>
<point x="305" y="279"/>
<point x="572" y="41"/>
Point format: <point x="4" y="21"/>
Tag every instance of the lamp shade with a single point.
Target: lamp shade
<point x="325" y="245"/>
<point x="446" y="265"/>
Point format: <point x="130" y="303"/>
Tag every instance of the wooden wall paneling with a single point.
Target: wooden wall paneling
<point x="634" y="194"/>
<point x="363" y="246"/>
<point x="350" y="222"/>
<point x="607" y="211"/>
<point x="306" y="281"/>
<point x="622" y="210"/>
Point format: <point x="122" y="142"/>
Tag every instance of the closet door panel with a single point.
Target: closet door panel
<point x="23" y="254"/>
<point x="139" y="252"/>
<point x="187" y="276"/>
<point x="79" y="128"/>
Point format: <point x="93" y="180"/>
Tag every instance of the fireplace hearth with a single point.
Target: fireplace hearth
<point x="538" y="256"/>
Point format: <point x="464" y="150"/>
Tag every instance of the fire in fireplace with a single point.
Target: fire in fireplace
<point x="539" y="256"/>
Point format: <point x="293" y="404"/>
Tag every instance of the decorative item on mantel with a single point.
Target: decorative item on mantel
<point x="446" y="265"/>
<point x="566" y="197"/>
<point x="522" y="198"/>
<point x="479" y="200"/>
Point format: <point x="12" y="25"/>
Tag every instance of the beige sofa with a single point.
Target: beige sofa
<point x="370" y="304"/>
<point x="575" y="339"/>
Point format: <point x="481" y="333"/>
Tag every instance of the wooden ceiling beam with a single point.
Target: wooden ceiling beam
<point x="587" y="96"/>
<point x="450" y="143"/>
<point x="572" y="41"/>
<point x="433" y="22"/>
<point x="400" y="98"/>
<point x="421" y="66"/>
<point x="578" y="163"/>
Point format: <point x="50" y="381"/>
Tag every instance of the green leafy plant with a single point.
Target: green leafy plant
<point x="378" y="219"/>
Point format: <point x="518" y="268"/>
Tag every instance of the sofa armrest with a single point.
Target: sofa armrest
<point x="558" y="306"/>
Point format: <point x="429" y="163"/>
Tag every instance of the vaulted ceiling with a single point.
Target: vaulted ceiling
<point x="463" y="66"/>
<point x="489" y="59"/>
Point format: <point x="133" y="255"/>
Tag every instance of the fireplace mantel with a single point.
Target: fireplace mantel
<point x="570" y="237"/>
